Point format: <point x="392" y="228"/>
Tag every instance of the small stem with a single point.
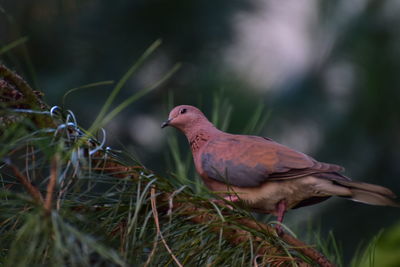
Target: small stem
<point x="51" y="184"/>
<point x="156" y="221"/>
<point x="32" y="190"/>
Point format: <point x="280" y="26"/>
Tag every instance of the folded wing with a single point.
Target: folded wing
<point x="248" y="161"/>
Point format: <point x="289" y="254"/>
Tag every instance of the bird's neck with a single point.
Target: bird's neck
<point x="198" y="137"/>
<point x="198" y="140"/>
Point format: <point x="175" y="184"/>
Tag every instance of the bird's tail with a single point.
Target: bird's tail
<point x="369" y="193"/>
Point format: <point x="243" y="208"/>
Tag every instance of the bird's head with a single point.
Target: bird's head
<point x="185" y="117"/>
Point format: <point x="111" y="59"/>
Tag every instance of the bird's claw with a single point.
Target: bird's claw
<point x="231" y="198"/>
<point x="279" y="229"/>
<point x="223" y="202"/>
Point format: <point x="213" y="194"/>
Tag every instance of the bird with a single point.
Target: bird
<point x="269" y="177"/>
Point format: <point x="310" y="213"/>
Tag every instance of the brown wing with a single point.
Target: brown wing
<point x="248" y="161"/>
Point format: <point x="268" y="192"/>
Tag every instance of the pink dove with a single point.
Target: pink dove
<point x="268" y="176"/>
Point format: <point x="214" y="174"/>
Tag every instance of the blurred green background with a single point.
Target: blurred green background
<point x="328" y="73"/>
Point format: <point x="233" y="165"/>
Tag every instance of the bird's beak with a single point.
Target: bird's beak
<point x="165" y="123"/>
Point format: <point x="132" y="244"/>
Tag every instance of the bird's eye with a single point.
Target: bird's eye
<point x="182" y="111"/>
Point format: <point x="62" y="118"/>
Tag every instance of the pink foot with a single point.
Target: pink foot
<point x="231" y="198"/>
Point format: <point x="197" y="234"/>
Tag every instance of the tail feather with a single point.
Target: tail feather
<point x="367" y="187"/>
<point x="370" y="193"/>
<point x="372" y="198"/>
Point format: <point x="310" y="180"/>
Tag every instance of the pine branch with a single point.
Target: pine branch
<point x="19" y="83"/>
<point x="16" y="93"/>
<point x="237" y="235"/>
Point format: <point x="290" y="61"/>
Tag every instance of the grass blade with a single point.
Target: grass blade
<point x="90" y="85"/>
<point x="121" y="83"/>
<point x="13" y="44"/>
<point x="138" y="95"/>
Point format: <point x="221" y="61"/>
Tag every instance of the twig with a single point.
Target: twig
<point x="255" y="264"/>
<point x="153" y="251"/>
<point x="51" y="184"/>
<point x="33" y="191"/>
<point x="27" y="163"/>
<point x="155" y="215"/>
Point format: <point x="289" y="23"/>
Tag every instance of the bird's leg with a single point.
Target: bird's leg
<point x="281" y="209"/>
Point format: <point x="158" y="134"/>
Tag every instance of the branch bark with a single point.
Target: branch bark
<point x="28" y="93"/>
<point x="16" y="93"/>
